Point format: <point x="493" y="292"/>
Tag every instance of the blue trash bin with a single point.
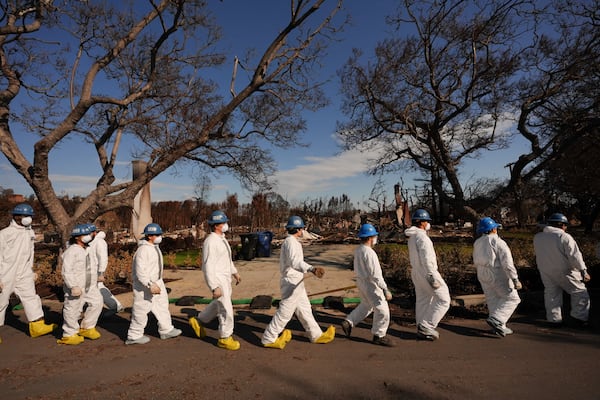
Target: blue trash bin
<point x="263" y="247"/>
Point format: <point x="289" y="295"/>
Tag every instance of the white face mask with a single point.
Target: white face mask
<point x="26" y="221"/>
<point x="374" y="240"/>
<point x="225" y="227"/>
<point x="428" y="226"/>
<point x="86" y="239"/>
<point x="157" y="240"/>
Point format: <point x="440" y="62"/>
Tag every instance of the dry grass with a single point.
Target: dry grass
<point x="117" y="271"/>
<point x="456" y="265"/>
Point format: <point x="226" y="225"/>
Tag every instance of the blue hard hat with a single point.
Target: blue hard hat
<point x="367" y="230"/>
<point x="152" y="229"/>
<point x="294" y="222"/>
<point x="80" y="230"/>
<point x="92" y="227"/>
<point x="558" y="217"/>
<point x="486" y="225"/>
<point x="217" y="217"/>
<point x="421" y="215"/>
<point x="23" y="209"/>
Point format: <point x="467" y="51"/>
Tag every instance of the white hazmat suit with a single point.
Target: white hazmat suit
<point x="496" y="272"/>
<point x="218" y="269"/>
<point x="78" y="272"/>
<point x="293" y="294"/>
<point x="148" y="270"/>
<point x="16" y="273"/>
<point x="561" y="265"/>
<point x="431" y="304"/>
<point x="99" y="257"/>
<point x="372" y="287"/>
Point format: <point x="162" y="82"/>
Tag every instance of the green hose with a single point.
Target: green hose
<point x="202" y="300"/>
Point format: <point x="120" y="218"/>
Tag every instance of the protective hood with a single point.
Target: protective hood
<point x="101" y="235"/>
<point x="412" y="231"/>
<point x="553" y="229"/>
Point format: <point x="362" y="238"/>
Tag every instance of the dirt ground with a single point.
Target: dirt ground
<point x="466" y="363"/>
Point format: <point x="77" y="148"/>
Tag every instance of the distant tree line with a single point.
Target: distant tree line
<point x="561" y="188"/>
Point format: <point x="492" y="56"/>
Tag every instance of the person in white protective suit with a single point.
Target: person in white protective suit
<point x="432" y="294"/>
<point x="80" y="287"/>
<point x="294" y="299"/>
<point x="218" y="269"/>
<point x="374" y="293"/>
<point x="497" y="275"/>
<point x="98" y="250"/>
<point x="149" y="291"/>
<point x="561" y="267"/>
<point x="16" y="270"/>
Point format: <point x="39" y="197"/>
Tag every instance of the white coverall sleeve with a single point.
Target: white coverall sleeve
<point x="143" y="260"/>
<point x="210" y="260"/>
<point x="2" y="254"/>
<point x="233" y="268"/>
<point x="102" y="255"/>
<point x="572" y="253"/>
<point x="296" y="257"/>
<point x="31" y="251"/>
<point x="376" y="271"/>
<point x="73" y="265"/>
<point x="504" y="256"/>
<point x="426" y="254"/>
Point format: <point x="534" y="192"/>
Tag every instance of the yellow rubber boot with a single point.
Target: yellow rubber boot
<point x="287" y="335"/>
<point x="75" y="339"/>
<point x="228" y="343"/>
<point x="327" y="336"/>
<point x="91" y="333"/>
<point x="197" y="327"/>
<point x="40" y="328"/>
<point x="281" y="341"/>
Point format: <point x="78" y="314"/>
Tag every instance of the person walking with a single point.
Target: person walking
<point x="562" y="268"/>
<point x="218" y="269"/>
<point x="149" y="291"/>
<point x="374" y="293"/>
<point x="432" y="294"/>
<point x="294" y="299"/>
<point x="497" y="275"/>
<point x="16" y="270"/>
<point x="80" y="287"/>
<point x="98" y="250"/>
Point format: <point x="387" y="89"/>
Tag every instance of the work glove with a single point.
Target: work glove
<point x="432" y="282"/>
<point x="388" y="295"/>
<point x="585" y="277"/>
<point x="154" y="288"/>
<point x="237" y="278"/>
<point x="318" y="271"/>
<point x="218" y="292"/>
<point x="76" y="291"/>
<point x="517" y="283"/>
<point x="100" y="277"/>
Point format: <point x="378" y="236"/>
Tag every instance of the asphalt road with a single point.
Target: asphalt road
<point x="466" y="363"/>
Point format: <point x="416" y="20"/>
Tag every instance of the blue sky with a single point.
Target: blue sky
<point x="319" y="170"/>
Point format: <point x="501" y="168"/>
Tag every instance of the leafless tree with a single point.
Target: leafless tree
<point x="457" y="71"/>
<point x="436" y="92"/>
<point x="572" y="180"/>
<point x="104" y="72"/>
<point x="559" y="94"/>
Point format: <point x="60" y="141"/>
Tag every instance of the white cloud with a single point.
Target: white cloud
<point x="321" y="174"/>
